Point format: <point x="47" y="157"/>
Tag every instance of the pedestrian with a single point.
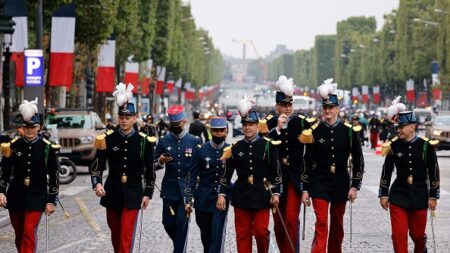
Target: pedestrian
<point x="204" y="180"/>
<point x="374" y="129"/>
<point x="174" y="152"/>
<point x="149" y="129"/>
<point x="197" y="127"/>
<point x="326" y="178"/>
<point x="356" y="123"/>
<point x="162" y="127"/>
<point x="31" y="161"/>
<point x="384" y="129"/>
<point x="416" y="186"/>
<point x="286" y="127"/>
<point x="258" y="184"/>
<point x="129" y="156"/>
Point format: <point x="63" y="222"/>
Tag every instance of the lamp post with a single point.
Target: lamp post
<point x="7" y="42"/>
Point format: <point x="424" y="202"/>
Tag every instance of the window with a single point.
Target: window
<point x="70" y="121"/>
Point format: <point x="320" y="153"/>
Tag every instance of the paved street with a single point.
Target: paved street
<point x="86" y="229"/>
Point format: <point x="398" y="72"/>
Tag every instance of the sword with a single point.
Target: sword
<point x="432" y="214"/>
<point x="140" y="230"/>
<point x="66" y="214"/>
<point x="304" y="222"/>
<point x="46" y="232"/>
<point x="269" y="187"/>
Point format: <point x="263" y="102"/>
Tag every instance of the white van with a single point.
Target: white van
<point x="303" y="103"/>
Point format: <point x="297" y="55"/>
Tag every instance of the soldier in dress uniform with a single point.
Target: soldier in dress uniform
<point x="416" y="186"/>
<point x="326" y="178"/>
<point x="258" y="186"/>
<point x="29" y="160"/>
<point x="204" y="178"/>
<point x="287" y="127"/>
<point x="129" y="155"/>
<point x="174" y="152"/>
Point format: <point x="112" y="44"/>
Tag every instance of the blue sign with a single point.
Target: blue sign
<point x="34" y="67"/>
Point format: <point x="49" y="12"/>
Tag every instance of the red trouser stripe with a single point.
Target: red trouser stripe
<point x="402" y="220"/>
<point x="373" y="139"/>
<point x="289" y="206"/>
<point x="336" y="233"/>
<point x="248" y="223"/>
<point x="123" y="226"/>
<point x="25" y="226"/>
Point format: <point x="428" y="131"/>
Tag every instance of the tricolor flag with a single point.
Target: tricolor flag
<point x="147" y="77"/>
<point x="132" y="73"/>
<point x="106" y="66"/>
<point x="365" y="94"/>
<point x="410" y="93"/>
<point x="376" y="94"/>
<point x="18" y="11"/>
<point x="355" y="94"/>
<point x="170" y="85"/>
<point x="161" y="72"/>
<point x="62" y="46"/>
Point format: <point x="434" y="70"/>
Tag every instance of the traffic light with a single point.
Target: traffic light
<point x="89" y="85"/>
<point x="6" y="22"/>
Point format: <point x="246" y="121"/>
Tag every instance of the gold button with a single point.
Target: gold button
<point x="126" y="141"/>
<point x="126" y="150"/>
<point x="125" y="158"/>
<point x="124" y="165"/>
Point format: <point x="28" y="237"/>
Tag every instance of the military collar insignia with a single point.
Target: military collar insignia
<point x="115" y="148"/>
<point x="19" y="153"/>
<point x="169" y="148"/>
<point x="240" y="154"/>
<point x="321" y="140"/>
<point x="207" y="159"/>
<point x="399" y="154"/>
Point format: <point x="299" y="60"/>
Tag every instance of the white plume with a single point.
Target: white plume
<point x="28" y="109"/>
<point x="286" y="85"/>
<point x="245" y="105"/>
<point x="123" y="94"/>
<point x="327" y="88"/>
<point x="395" y="108"/>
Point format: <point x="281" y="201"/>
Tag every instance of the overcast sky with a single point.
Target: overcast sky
<point x="294" y="23"/>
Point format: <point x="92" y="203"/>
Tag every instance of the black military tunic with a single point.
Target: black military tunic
<point x="416" y="163"/>
<point x="130" y="157"/>
<point x="290" y="150"/>
<point x="326" y="175"/>
<point x="29" y="163"/>
<point x="253" y="161"/>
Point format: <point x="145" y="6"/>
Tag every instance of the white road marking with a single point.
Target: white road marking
<point x="73" y="190"/>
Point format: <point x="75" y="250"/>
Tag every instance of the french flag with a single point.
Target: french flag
<point x="147" y="77"/>
<point x="376" y="94"/>
<point x="62" y="46"/>
<point x="355" y="94"/>
<point x="161" y="72"/>
<point x="106" y="66"/>
<point x="18" y="11"/>
<point x="365" y="94"/>
<point x="410" y="93"/>
<point x="131" y="73"/>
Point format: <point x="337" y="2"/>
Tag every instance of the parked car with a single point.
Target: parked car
<point x="75" y="130"/>
<point x="423" y="115"/>
<point x="439" y="129"/>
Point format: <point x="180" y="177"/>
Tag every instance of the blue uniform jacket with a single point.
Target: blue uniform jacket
<point x="181" y="149"/>
<point x="205" y="175"/>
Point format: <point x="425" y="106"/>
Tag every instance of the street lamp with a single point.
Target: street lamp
<point x="427" y="22"/>
<point x="7" y="42"/>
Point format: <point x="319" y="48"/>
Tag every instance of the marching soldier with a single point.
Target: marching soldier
<point x="326" y="179"/>
<point x="174" y="152"/>
<point x="257" y="187"/>
<point x="205" y="179"/>
<point x="129" y="156"/>
<point x="29" y="159"/>
<point x="286" y="127"/>
<point x="416" y="186"/>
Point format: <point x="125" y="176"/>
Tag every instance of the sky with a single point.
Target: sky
<point x="294" y="23"/>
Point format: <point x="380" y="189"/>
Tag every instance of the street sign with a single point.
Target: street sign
<point x="34" y="67"/>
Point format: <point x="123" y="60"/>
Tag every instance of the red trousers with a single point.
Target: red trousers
<point x="373" y="139"/>
<point x="290" y="203"/>
<point x="123" y="228"/>
<point x="248" y="223"/>
<point x="25" y="226"/>
<point x="336" y="233"/>
<point x="402" y="220"/>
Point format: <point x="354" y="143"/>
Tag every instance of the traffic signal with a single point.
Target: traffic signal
<point x="89" y="85"/>
<point x="6" y="22"/>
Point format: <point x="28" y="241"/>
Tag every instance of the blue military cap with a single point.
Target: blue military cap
<point x="332" y="100"/>
<point x="251" y="117"/>
<point x="127" y="109"/>
<point x="218" y="122"/>
<point x="281" y="98"/>
<point x="35" y="120"/>
<point x="176" y="113"/>
<point x="406" y="118"/>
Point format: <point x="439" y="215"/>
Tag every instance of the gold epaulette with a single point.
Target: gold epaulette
<point x="262" y="125"/>
<point x="269" y="117"/>
<point x="301" y="116"/>
<point x="357" y="128"/>
<point x="14" y="139"/>
<point x="386" y="147"/>
<point x="142" y="135"/>
<point x="273" y="142"/>
<point x="151" y="139"/>
<point x="207" y="125"/>
<point x="311" y="120"/>
<point x="46" y="141"/>
<point x="6" y="149"/>
<point x="432" y="142"/>
<point x="100" y="141"/>
<point x="56" y="146"/>
<point x="226" y="153"/>
<point x="109" y="132"/>
<point x="348" y="125"/>
<point x="307" y="137"/>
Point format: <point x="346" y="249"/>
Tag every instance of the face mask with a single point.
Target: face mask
<point x="176" y="130"/>
<point x="218" y="140"/>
